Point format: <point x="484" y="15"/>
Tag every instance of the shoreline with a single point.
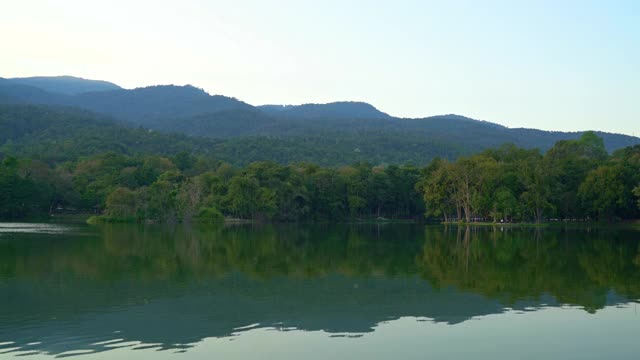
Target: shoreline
<point x="102" y="219"/>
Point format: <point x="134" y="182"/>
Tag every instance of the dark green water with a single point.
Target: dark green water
<point x="318" y="292"/>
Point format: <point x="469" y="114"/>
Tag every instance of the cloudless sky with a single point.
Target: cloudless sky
<point x="555" y="65"/>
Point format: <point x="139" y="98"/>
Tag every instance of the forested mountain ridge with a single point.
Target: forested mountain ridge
<point x="69" y="85"/>
<point x="340" y="109"/>
<point x="15" y="93"/>
<point x="346" y="131"/>
<point x="138" y="107"/>
<point x="146" y="106"/>
<point x="55" y="134"/>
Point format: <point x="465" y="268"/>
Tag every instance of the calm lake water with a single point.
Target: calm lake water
<point x="318" y="292"/>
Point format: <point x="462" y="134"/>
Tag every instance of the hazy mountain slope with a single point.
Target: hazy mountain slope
<point x="68" y="85"/>
<point x="346" y="130"/>
<point x="448" y="131"/>
<point x="143" y="106"/>
<point x="343" y="109"/>
<point x="139" y="107"/>
<point x="58" y="134"/>
<point x="485" y="134"/>
<point x="14" y="93"/>
<point x="222" y="124"/>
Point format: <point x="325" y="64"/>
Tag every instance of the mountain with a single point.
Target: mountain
<point x="329" y="134"/>
<point x="344" y="109"/>
<point x="12" y="92"/>
<point x="55" y="133"/>
<point x="138" y="107"/>
<point x="144" y="106"/>
<point x="68" y="85"/>
<point x="444" y="132"/>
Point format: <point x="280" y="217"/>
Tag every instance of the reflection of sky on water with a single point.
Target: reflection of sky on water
<point x="178" y="318"/>
<point x="33" y="228"/>
<point x="550" y="333"/>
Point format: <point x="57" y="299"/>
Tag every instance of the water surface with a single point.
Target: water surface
<point x="318" y="292"/>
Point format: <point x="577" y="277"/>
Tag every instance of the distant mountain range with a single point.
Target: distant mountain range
<point x="342" y="109"/>
<point x="68" y="85"/>
<point x="356" y="130"/>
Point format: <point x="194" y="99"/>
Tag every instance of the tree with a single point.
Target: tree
<point x="438" y="189"/>
<point x="245" y="197"/>
<point x="356" y="181"/>
<point x="572" y="160"/>
<point x="210" y="215"/>
<point x="407" y="196"/>
<point x="159" y="201"/>
<point x="593" y="146"/>
<point x="19" y="197"/>
<point x="121" y="203"/>
<point x="472" y="178"/>
<point x="184" y="160"/>
<point x="505" y="204"/>
<point x="189" y="199"/>
<point x="604" y="193"/>
<point x="327" y="189"/>
<point x="538" y="180"/>
<point x="379" y="186"/>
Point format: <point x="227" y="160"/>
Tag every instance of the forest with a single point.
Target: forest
<point x="574" y="180"/>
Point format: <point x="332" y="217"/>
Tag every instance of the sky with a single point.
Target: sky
<point x="554" y="65"/>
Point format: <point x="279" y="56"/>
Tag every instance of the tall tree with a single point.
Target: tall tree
<point x="439" y="191"/>
<point x="539" y="181"/>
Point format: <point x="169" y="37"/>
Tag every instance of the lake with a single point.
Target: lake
<point x="318" y="292"/>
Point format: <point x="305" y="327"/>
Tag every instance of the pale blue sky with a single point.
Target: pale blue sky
<point x="556" y="65"/>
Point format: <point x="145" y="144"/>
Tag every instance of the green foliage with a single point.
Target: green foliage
<point x="210" y="215"/>
<point x="538" y="182"/>
<point x="121" y="203"/>
<point x="571" y="160"/>
<point x="438" y="191"/>
<point x="575" y="179"/>
<point x="604" y="193"/>
<point x="19" y="196"/>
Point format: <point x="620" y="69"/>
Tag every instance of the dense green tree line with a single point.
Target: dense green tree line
<point x="576" y="179"/>
<point x="188" y="188"/>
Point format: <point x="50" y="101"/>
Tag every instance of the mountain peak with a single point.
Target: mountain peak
<point x="185" y="90"/>
<point x="65" y="84"/>
<point x="462" y="118"/>
<point x="339" y="109"/>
